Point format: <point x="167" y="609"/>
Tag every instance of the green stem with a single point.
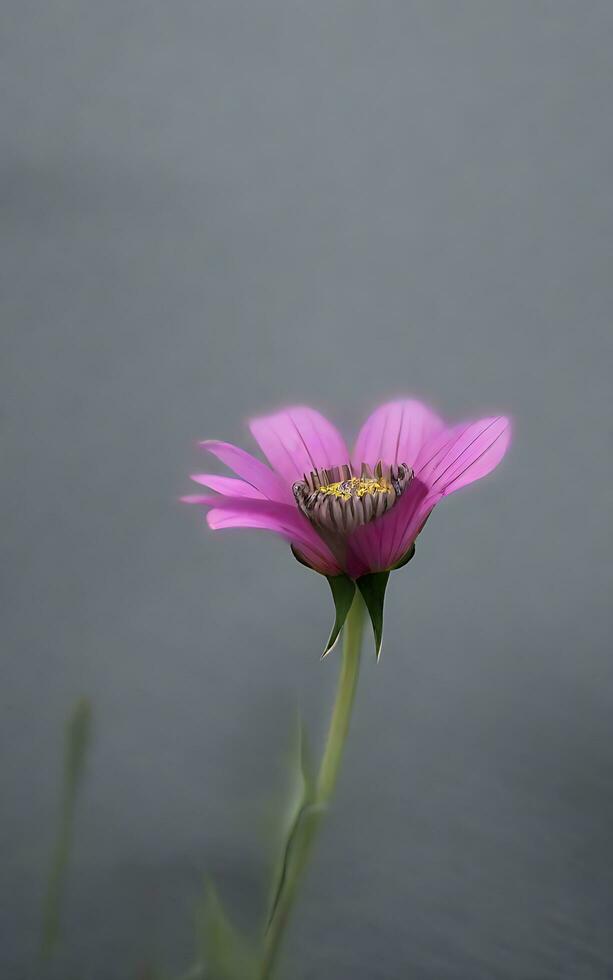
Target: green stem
<point x="326" y="780"/>
<point x="343" y="705"/>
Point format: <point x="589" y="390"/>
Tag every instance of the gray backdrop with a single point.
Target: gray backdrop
<point x="209" y="210"/>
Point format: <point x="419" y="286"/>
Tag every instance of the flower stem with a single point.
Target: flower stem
<point x="343" y="705"/>
<point x="326" y="780"/>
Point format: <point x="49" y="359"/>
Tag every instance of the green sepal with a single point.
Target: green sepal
<point x="226" y="953"/>
<point x="372" y="588"/>
<point x="406" y="558"/>
<point x="343" y="591"/>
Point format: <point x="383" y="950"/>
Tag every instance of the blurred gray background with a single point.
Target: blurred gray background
<point x="209" y="210"/>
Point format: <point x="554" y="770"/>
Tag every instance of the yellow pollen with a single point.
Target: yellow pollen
<point x="356" y="487"/>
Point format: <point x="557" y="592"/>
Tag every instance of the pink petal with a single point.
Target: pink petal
<point x="252" y="470"/>
<point x="452" y="458"/>
<point x="227" y="486"/>
<point x="395" y="433"/>
<point x="382" y="543"/>
<point x="282" y="519"/>
<point x="299" y="440"/>
<point x="413" y="526"/>
<point x="461" y="455"/>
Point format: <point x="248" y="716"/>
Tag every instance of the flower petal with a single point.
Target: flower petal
<point x="282" y="519"/>
<point x="377" y="546"/>
<point x="395" y="433"/>
<point x="299" y="440"/>
<point x="453" y="458"/>
<point x="463" y="454"/>
<point x="252" y="470"/>
<point x="413" y="526"/>
<point x="228" y="486"/>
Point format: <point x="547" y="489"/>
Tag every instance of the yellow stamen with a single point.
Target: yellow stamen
<point x="356" y="487"/>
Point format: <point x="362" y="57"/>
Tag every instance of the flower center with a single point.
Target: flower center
<point x="337" y="500"/>
<point x="355" y="487"/>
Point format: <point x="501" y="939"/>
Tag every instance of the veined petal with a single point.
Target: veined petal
<point x="282" y="519"/>
<point x="451" y="459"/>
<point x="379" y="545"/>
<point x="252" y="470"/>
<point x="299" y="440"/>
<point x="228" y="486"/>
<point x="461" y="455"/>
<point x="395" y="433"/>
<point x="409" y="531"/>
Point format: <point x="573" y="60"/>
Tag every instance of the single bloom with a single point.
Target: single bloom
<point x="353" y="517"/>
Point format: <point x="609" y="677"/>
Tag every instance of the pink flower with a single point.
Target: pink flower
<point x="345" y="514"/>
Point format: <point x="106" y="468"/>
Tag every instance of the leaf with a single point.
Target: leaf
<point x="76" y="745"/>
<point x="343" y="591"/>
<point x="78" y="734"/>
<point x="303" y="797"/>
<point x="226" y="952"/>
<point x="304" y="762"/>
<point x="373" y="588"/>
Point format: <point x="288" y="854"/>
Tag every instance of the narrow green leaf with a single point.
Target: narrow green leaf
<point x="78" y="734"/>
<point x="343" y="591"/>
<point x="406" y="558"/>
<point x="373" y="588"/>
<point x="304" y="761"/>
<point x="302" y="797"/>
<point x="227" y="954"/>
<point x="76" y="744"/>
